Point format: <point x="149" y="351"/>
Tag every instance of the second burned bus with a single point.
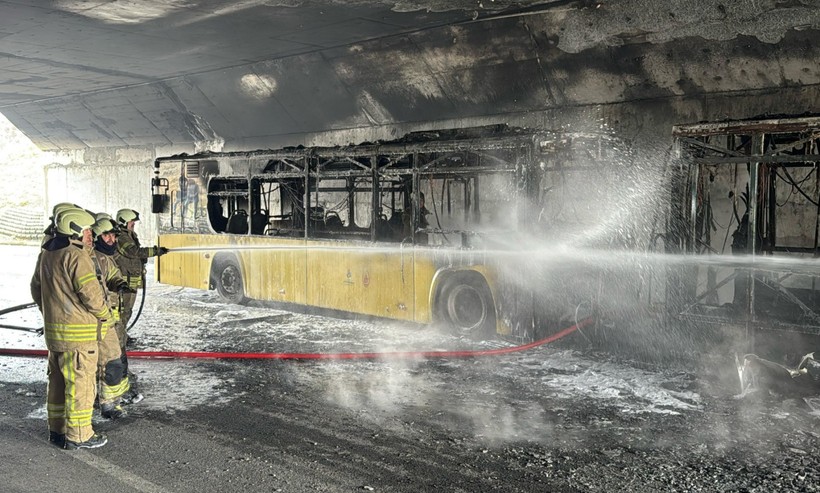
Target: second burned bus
<point x="430" y="228"/>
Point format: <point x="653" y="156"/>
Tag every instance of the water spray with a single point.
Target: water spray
<point x="561" y="253"/>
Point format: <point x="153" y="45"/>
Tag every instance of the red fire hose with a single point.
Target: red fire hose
<point x="325" y="356"/>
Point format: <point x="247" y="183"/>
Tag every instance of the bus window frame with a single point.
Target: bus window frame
<point x="394" y="169"/>
<point x="231" y="197"/>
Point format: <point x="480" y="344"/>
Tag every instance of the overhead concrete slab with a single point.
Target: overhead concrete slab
<point x="83" y="74"/>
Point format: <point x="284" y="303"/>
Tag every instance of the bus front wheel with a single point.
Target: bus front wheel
<point x="465" y="304"/>
<point x="228" y="280"/>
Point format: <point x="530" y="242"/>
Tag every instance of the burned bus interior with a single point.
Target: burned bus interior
<point x="459" y="188"/>
<point x="749" y="189"/>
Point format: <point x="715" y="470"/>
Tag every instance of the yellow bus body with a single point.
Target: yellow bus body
<point x="358" y="277"/>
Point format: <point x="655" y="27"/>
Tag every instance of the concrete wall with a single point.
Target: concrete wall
<point x="106" y="180"/>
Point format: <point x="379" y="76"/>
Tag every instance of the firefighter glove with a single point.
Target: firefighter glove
<point x="160" y="250"/>
<point x="125" y="288"/>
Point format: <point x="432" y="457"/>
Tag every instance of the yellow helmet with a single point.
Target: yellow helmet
<point x="62" y="206"/>
<point x="126" y="215"/>
<point x="103" y="225"/>
<point x="72" y="222"/>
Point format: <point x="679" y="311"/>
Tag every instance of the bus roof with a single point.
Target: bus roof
<point x="498" y="136"/>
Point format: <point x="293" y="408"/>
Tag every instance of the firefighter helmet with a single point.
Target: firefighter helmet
<point x="103" y="225"/>
<point x="72" y="222"/>
<point x="62" y="206"/>
<point x="126" y="215"/>
<point x="103" y="215"/>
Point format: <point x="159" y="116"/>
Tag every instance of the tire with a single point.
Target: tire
<point x="228" y="281"/>
<point x="465" y="305"/>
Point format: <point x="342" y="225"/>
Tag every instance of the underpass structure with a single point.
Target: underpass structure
<point x="109" y="87"/>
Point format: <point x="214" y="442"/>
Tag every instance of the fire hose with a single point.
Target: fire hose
<point x="17" y="327"/>
<point x="142" y="303"/>
<point x="16" y="308"/>
<point x="327" y="356"/>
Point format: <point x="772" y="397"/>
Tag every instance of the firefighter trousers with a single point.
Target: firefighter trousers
<point x="72" y="387"/>
<point x="112" y="370"/>
<point x="128" y="302"/>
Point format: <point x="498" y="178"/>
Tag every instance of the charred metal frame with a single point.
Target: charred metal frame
<point x="770" y="150"/>
<point x="397" y="167"/>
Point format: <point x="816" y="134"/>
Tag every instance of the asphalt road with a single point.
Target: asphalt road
<point x="558" y="418"/>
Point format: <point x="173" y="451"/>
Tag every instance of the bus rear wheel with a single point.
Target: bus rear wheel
<point x="465" y="304"/>
<point x="228" y="280"/>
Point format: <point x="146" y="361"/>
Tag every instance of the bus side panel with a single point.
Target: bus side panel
<point x="425" y="269"/>
<point x="274" y="269"/>
<point x="361" y="280"/>
<point x="182" y="268"/>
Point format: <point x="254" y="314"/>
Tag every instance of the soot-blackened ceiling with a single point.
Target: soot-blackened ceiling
<point x="81" y="74"/>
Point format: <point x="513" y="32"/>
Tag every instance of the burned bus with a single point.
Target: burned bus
<point x="746" y="206"/>
<point x="454" y="227"/>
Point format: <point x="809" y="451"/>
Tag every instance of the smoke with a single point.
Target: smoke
<point x="498" y="400"/>
<point x="543" y="396"/>
<point x="380" y="388"/>
<point x="497" y="423"/>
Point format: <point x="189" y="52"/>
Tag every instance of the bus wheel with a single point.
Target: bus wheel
<point x="466" y="305"/>
<point x="228" y="279"/>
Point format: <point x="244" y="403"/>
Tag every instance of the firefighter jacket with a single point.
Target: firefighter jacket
<point x="112" y="280"/>
<point x="132" y="257"/>
<point x="71" y="298"/>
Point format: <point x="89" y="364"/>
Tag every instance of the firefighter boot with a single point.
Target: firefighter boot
<point x="112" y="411"/>
<point x="131" y="397"/>
<point x="57" y="439"/>
<point x="97" y="440"/>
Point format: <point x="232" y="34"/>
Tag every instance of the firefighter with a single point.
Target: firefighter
<point x="48" y="233"/>
<point x="76" y="317"/>
<point x="113" y="363"/>
<point x="131" y="261"/>
<point x="104" y="215"/>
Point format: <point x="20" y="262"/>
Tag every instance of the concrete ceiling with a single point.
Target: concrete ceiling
<point x="80" y="74"/>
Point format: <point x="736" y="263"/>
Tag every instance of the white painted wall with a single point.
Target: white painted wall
<point x="106" y="180"/>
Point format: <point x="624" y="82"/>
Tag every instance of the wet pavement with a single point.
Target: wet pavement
<point x="556" y="418"/>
